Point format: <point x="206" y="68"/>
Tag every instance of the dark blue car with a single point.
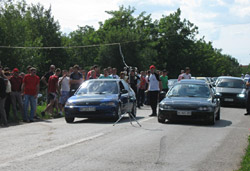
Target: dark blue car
<point x="101" y="98"/>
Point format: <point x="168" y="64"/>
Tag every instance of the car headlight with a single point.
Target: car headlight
<point x="69" y="104"/>
<point x="165" y="106"/>
<point x="219" y="94"/>
<point x="205" y="108"/>
<point x="108" y="104"/>
<point x="241" y="95"/>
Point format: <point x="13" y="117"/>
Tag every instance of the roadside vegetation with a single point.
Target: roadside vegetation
<point x="165" y="42"/>
<point x="245" y="164"/>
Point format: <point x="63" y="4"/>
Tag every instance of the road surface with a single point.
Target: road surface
<point x="98" y="145"/>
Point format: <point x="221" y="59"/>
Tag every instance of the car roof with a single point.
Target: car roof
<point x="190" y="81"/>
<point x="229" y="77"/>
<point x="108" y="79"/>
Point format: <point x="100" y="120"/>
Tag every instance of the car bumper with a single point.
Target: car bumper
<point x="99" y="112"/>
<point x="195" y="115"/>
<point x="235" y="101"/>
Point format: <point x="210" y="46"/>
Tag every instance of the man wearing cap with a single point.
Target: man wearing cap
<point x="154" y="88"/>
<point x="16" y="97"/>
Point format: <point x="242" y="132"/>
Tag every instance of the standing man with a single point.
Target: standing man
<point x="180" y="76"/>
<point x="133" y="80"/>
<point x="164" y="80"/>
<point x="114" y="74"/>
<point x="95" y="68"/>
<point x="76" y="80"/>
<point x="154" y="88"/>
<point x="105" y="74"/>
<point x="30" y="89"/>
<point x="16" y="97"/>
<point x="142" y="88"/>
<point x="187" y="74"/>
<point x="248" y="97"/>
<point x="64" y="84"/>
<point x="53" y="92"/>
<point x="2" y="99"/>
<point x="45" y="79"/>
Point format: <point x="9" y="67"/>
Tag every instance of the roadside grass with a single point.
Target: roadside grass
<point x="245" y="164"/>
<point x="39" y="109"/>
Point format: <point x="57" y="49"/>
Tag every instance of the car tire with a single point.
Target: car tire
<point x="69" y="119"/>
<point x="212" y="120"/>
<point x="133" y="111"/>
<point x="161" y="120"/>
<point x="218" y="115"/>
<point x="118" y="112"/>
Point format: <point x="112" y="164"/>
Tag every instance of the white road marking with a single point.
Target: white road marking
<point x="51" y="150"/>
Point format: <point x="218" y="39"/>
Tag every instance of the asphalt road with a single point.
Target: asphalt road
<point x="98" y="145"/>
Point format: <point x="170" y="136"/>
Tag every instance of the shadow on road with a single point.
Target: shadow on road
<point x="218" y="124"/>
<point x="105" y="120"/>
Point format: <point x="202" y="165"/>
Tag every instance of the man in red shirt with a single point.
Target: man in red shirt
<point x="52" y="92"/>
<point x="16" y="97"/>
<point x="30" y="88"/>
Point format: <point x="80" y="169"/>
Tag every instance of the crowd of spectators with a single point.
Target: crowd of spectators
<point x="19" y="91"/>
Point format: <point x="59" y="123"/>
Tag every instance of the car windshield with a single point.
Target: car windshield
<point x="189" y="90"/>
<point x="230" y="83"/>
<point x="171" y="82"/>
<point x="98" y="87"/>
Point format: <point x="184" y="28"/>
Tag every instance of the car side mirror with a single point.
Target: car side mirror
<point x="124" y="91"/>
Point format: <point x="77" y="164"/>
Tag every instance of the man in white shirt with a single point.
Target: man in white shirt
<point x="154" y="88"/>
<point x="187" y="74"/>
<point x="64" y="84"/>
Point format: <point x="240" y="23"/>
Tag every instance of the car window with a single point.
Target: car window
<point x="125" y="85"/>
<point x="229" y="83"/>
<point x="98" y="87"/>
<point x="190" y="90"/>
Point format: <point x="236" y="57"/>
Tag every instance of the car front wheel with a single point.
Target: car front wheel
<point x="211" y="120"/>
<point x="161" y="119"/>
<point x="133" y="112"/>
<point x="218" y="115"/>
<point x="69" y="119"/>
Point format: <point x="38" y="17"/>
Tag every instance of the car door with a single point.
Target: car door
<point x="131" y="96"/>
<point x="216" y="100"/>
<point x="124" y="97"/>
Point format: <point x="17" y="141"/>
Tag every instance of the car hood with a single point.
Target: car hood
<point x="93" y="97"/>
<point x="230" y="90"/>
<point x="192" y="101"/>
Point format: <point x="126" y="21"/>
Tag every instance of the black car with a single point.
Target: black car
<point x="101" y="98"/>
<point x="190" y="100"/>
<point x="232" y="91"/>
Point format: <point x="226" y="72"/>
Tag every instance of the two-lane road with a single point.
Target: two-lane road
<point x="98" y="145"/>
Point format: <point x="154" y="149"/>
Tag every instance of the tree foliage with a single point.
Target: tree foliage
<point x="169" y="43"/>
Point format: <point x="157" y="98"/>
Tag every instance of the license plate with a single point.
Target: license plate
<point x="87" y="109"/>
<point x="184" y="113"/>
<point x="228" y="100"/>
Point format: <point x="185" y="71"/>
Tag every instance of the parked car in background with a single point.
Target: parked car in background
<point x="171" y="82"/>
<point x="190" y="100"/>
<point x="101" y="98"/>
<point x="232" y="91"/>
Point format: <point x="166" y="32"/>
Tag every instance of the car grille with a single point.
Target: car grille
<point x="87" y="103"/>
<point x="228" y="95"/>
<point x="185" y="107"/>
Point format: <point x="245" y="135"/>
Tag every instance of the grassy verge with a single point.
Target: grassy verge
<point x="245" y="164"/>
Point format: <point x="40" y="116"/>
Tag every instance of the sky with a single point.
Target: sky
<point x="225" y="23"/>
